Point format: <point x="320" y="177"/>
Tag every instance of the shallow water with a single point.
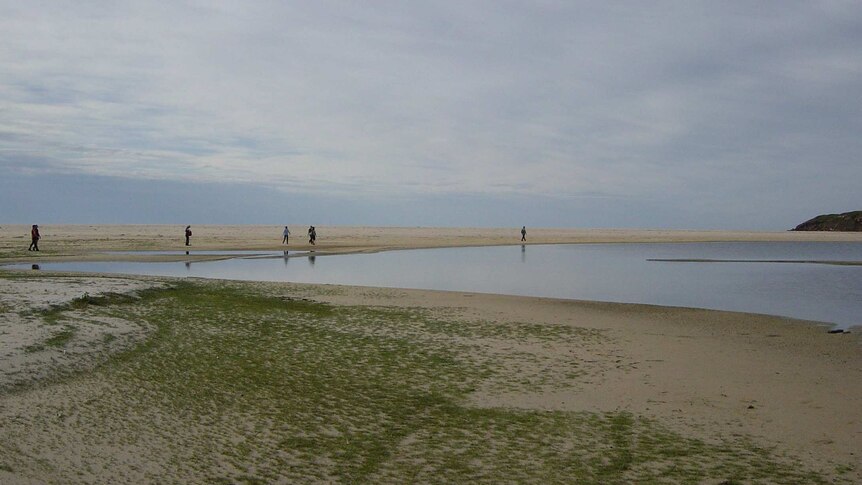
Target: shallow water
<point x="603" y="272"/>
<point x="193" y="252"/>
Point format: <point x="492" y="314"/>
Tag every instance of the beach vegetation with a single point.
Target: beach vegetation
<point x="236" y="386"/>
<point x="56" y="340"/>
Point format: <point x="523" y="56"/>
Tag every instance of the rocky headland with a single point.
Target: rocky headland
<point x="848" y="221"/>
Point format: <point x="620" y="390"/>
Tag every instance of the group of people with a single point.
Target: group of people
<point x="312" y="236"/>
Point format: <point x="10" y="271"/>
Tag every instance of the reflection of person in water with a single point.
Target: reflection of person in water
<point x="311" y="260"/>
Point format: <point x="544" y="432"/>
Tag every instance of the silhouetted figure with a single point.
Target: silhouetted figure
<point x="188" y="235"/>
<point x="34" y="238"/>
<point x="523" y="233"/>
<point x="312" y="235"/>
<point x="286" y="234"/>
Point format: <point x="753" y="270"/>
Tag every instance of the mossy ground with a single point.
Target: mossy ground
<point x="236" y="387"/>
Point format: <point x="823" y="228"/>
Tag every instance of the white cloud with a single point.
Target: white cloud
<point x="560" y="98"/>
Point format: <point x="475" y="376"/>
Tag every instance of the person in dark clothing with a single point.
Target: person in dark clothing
<point x="188" y="235"/>
<point x="523" y="233"/>
<point x="34" y="238"/>
<point x="312" y="235"/>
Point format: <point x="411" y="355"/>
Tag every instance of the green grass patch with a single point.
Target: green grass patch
<point x="12" y="275"/>
<point x="55" y="341"/>
<point x="61" y="338"/>
<point x="87" y="302"/>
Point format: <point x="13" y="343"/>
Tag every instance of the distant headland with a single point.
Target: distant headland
<point x="848" y="221"/>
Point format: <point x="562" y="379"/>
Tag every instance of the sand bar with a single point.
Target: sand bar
<point x="90" y="242"/>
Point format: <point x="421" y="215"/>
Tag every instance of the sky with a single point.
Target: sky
<point x="641" y="114"/>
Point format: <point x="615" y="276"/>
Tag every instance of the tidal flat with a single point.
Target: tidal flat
<point x="204" y="381"/>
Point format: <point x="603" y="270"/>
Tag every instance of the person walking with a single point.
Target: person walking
<point x="188" y="235"/>
<point x="523" y="233"/>
<point x="286" y="234"/>
<point x="312" y="235"/>
<point x="34" y="238"/>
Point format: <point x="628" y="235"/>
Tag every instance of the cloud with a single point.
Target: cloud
<point x="566" y="99"/>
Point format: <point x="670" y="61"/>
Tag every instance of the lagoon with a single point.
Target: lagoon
<point x="807" y="283"/>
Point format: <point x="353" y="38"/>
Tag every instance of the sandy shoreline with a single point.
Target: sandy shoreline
<point x="64" y="242"/>
<point x="785" y="384"/>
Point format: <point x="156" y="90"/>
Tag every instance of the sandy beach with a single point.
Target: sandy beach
<point x="90" y="241"/>
<point x="725" y="379"/>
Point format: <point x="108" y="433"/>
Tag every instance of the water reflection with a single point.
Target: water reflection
<point x="604" y="272"/>
<point x="200" y="252"/>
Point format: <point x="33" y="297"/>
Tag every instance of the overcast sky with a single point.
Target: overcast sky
<point x="726" y="115"/>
